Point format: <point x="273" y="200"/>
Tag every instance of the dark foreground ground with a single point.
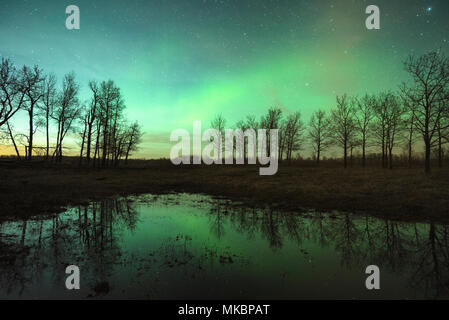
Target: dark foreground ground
<point x="29" y="188"/>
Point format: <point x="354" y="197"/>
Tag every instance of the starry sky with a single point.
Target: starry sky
<point x="182" y="60"/>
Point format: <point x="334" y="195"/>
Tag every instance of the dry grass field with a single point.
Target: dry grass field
<point x="29" y="188"/>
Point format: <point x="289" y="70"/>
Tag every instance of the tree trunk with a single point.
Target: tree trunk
<point x="384" y="160"/>
<point x="105" y="137"/>
<point x="350" y="156"/>
<point x="410" y="142"/>
<point x="13" y="141"/>
<point x="364" y="152"/>
<point x="30" y="144"/>
<point x="97" y="143"/>
<point x="427" y="164"/>
<point x="61" y="137"/>
<point x="410" y="154"/>
<point x="88" y="142"/>
<point x="47" y="134"/>
<point x="440" y="148"/>
<point x="82" y="144"/>
<point x="391" y="158"/>
<point x="127" y="153"/>
<point x="55" y="153"/>
<point x="345" y="154"/>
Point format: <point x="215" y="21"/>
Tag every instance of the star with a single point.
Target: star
<point x="429" y="9"/>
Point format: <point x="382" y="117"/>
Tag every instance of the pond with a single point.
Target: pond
<point x="184" y="246"/>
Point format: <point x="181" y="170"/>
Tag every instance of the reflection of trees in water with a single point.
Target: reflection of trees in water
<point x="321" y="234"/>
<point x="86" y="236"/>
<point x="245" y="221"/>
<point x="431" y="262"/>
<point x="346" y="238"/>
<point x="251" y="222"/>
<point x="35" y="250"/>
<point x="418" y="251"/>
<point x="270" y="228"/>
<point x="218" y="212"/>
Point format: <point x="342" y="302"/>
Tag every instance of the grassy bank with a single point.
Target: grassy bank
<point x="401" y="193"/>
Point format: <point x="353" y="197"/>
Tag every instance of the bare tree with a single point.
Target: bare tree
<point x="110" y="95"/>
<point x="319" y="134"/>
<point x="394" y="123"/>
<point x="294" y="129"/>
<point x="6" y="134"/>
<point x="13" y="140"/>
<point x="84" y="117"/>
<point x="364" y="115"/>
<point x="12" y="91"/>
<point x="120" y="136"/>
<point x="388" y="124"/>
<point x="428" y="90"/>
<point x="379" y="125"/>
<point x="22" y="139"/>
<point x="102" y="120"/>
<point x="92" y="116"/>
<point x="66" y="111"/>
<point x="118" y="130"/>
<point x="219" y="123"/>
<point x="33" y="80"/>
<point x="409" y="124"/>
<point x="96" y="158"/>
<point x="282" y="139"/>
<point x="343" y="125"/>
<point x="353" y="142"/>
<point x="46" y="108"/>
<point x="442" y="137"/>
<point x="249" y="123"/>
<point x="134" y="137"/>
<point x="271" y="120"/>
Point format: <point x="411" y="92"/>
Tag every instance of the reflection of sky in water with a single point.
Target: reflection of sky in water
<point x="192" y="246"/>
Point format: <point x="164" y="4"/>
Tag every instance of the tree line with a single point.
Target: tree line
<point x="419" y="109"/>
<point x="103" y="133"/>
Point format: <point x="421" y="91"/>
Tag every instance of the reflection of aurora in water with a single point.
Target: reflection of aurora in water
<point x="191" y="246"/>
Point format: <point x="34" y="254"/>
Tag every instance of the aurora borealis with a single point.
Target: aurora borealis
<point x="177" y="61"/>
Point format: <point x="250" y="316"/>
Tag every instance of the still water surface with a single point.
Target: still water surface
<point x="194" y="246"/>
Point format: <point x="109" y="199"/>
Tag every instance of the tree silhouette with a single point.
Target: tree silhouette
<point x="47" y="106"/>
<point x="343" y="124"/>
<point x="319" y="133"/>
<point x="33" y="80"/>
<point x="429" y="92"/>
<point x="364" y="116"/>
<point x="13" y="90"/>
<point x="66" y="112"/>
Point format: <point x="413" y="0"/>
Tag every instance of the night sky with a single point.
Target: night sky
<point x="177" y="61"/>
